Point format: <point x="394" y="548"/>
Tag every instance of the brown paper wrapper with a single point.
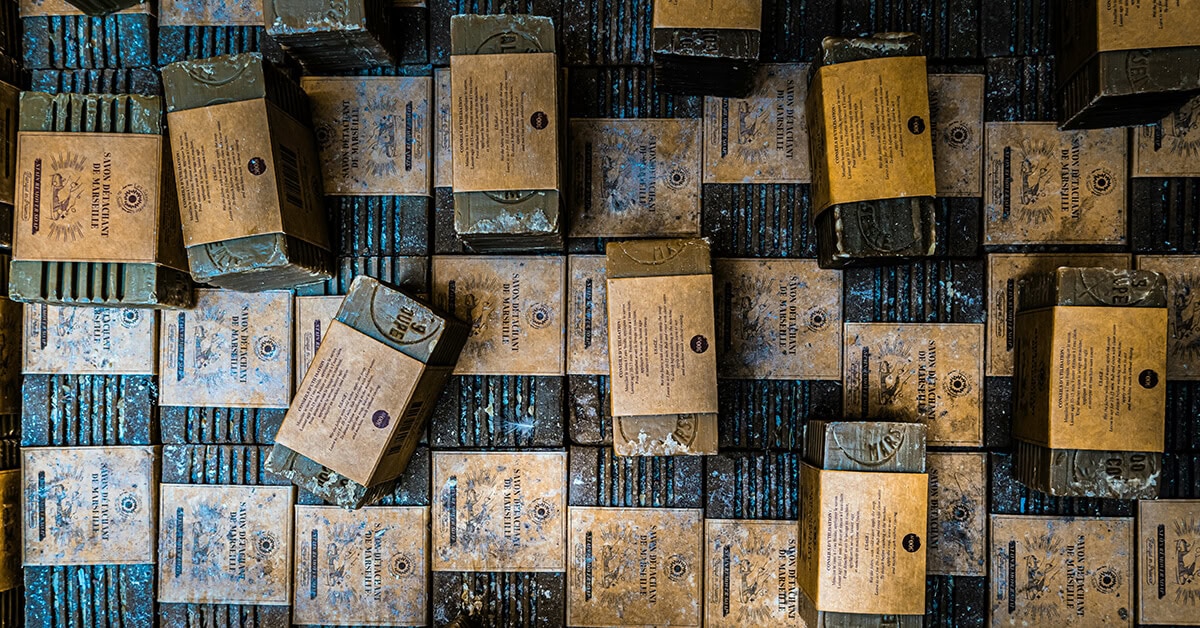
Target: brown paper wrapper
<point x="63" y="340"/>
<point x="1132" y="25"/>
<point x="11" y="345"/>
<point x="50" y="8"/>
<point x="721" y="14"/>
<point x="210" y="13"/>
<point x="958" y="488"/>
<point x="762" y="138"/>
<point x="1168" y="537"/>
<point x="1183" y="311"/>
<point x="956" y="112"/>
<point x="10" y="102"/>
<point x="1170" y="148"/>
<point x="443" y="149"/>
<point x="313" y="317"/>
<point x="10" y="535"/>
<point x="587" y="313"/>
<point x="751" y="575"/>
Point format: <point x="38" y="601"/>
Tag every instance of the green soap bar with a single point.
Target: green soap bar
<point x="876" y="446"/>
<point x="334" y="35"/>
<point x="97" y="8"/>
<point x="272" y="261"/>
<point x="1114" y="287"/>
<point x="1086" y="473"/>
<point x="658" y="258"/>
<point x="321" y="481"/>
<point x="232" y="78"/>
<point x="500" y="34"/>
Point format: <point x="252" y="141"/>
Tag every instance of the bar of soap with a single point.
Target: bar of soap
<point x="331" y="37"/>
<point x="280" y="237"/>
<point x="70" y="42"/>
<point x="709" y="48"/>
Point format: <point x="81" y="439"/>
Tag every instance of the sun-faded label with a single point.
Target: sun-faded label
<point x="1168" y="551"/>
<point x="958" y="489"/>
<point x="1045" y="186"/>
<point x="90" y="197"/>
<point x="89" y="505"/>
<point x="762" y="138"/>
<point x="1183" y="311"/>
<point x="587" y="311"/>
<point x="313" y="317"/>
<point x="778" y="319"/>
<point x="861" y="545"/>
<point x="634" y="178"/>
<point x="210" y="13"/>
<point x="63" y="340"/>
<point x="717" y="14"/>
<point x="659" y="352"/>
<point x="1170" y="148"/>
<point x="956" y="122"/>
<point x="515" y="308"/>
<point x="11" y="344"/>
<point x="234" y="349"/>
<point x="361" y="410"/>
<point x="506" y="126"/>
<point x="225" y="544"/>
<point x="868" y="126"/>
<point x="1048" y="571"/>
<point x="1004" y="274"/>
<point x="930" y="373"/>
<point x="10" y="530"/>
<point x="10" y="102"/>
<point x="495" y="511"/>
<point x="443" y="149"/>
<point x="246" y="168"/>
<point x="635" y="567"/>
<point x="751" y="575"/>
<point x="365" y="567"/>
<point x="665" y="435"/>
<point x="1091" y="378"/>
<point x="373" y="133"/>
<point x="50" y="8"/>
<point x="1139" y="25"/>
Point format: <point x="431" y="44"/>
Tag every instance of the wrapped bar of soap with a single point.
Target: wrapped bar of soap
<point x="873" y="176"/>
<point x="1090" y="409"/>
<point x="334" y="36"/>
<point x="379" y="332"/>
<point x="506" y="202"/>
<point x="248" y="175"/>
<point x="98" y="221"/>
<point x="707" y="47"/>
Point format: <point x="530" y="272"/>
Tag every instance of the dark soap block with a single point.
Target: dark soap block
<point x="334" y="37"/>
<point x="411" y="488"/>
<point x="959" y="601"/>
<point x="498" y="411"/>
<point x="1020" y="89"/>
<point x="875" y="446"/>
<point x="220" y="426"/>
<point x="441" y="12"/>
<point x="625" y="92"/>
<point x="223" y="615"/>
<point x="771" y="414"/>
<point x="381" y="225"/>
<point x="144" y="81"/>
<point x="12" y="607"/>
<point x="792" y="31"/>
<point x="960" y="226"/>
<point x="1128" y="87"/>
<point x="929" y="291"/>
<point x="10" y="30"/>
<point x="409" y="273"/>
<point x="598" y="477"/>
<point x="10" y="428"/>
<point x="445" y="241"/>
<point x="81" y="410"/>
<point x="1010" y="497"/>
<point x="1085" y="473"/>
<point x="502" y="600"/>
<point x="263" y="262"/>
<point x="10" y="453"/>
<point x="1017" y="27"/>
<point x="183" y="43"/>
<point x="68" y="42"/>
<point x="600" y="32"/>
<point x="218" y="464"/>
<point x="97" y="8"/>
<point x="589" y="416"/>
<point x="752" y="485"/>
<point x="1093" y="287"/>
<point x="1183" y="416"/>
<point x="90" y="595"/>
<point x="1163" y="216"/>
<point x="997" y="411"/>
<point x="714" y="62"/>
<point x="758" y="220"/>
<point x="314" y="477"/>
<point x="1181" y="476"/>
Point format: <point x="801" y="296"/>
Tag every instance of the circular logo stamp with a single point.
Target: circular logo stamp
<point x="916" y="125"/>
<point x="381" y="419"/>
<point x="699" y="343"/>
<point x="538" y="315"/>
<point x="962" y="512"/>
<point x="1148" y="379"/>
<point x="401" y="565"/>
<point x="817" y="319"/>
<point x="133" y="198"/>
<point x="129" y="503"/>
<point x="1100" y="182"/>
<point x="677" y="178"/>
<point x="130" y="318"/>
<point x="325" y="135"/>
<point x="1106" y="580"/>
<point x="541" y="510"/>
<point x="957" y="384"/>
<point x="267" y="348"/>
<point x="911" y="542"/>
<point x="265" y="544"/>
<point x="256" y="166"/>
<point x="539" y="120"/>
<point x="677" y="567"/>
<point x="958" y="135"/>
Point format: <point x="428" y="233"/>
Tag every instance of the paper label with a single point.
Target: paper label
<point x="210" y="13"/>
<point x="861" y="546"/>
<point x="1170" y="148"/>
<point x="1045" y="186"/>
<point x="930" y="373"/>
<point x="868" y="128"/>
<point x="443" y="149"/>
<point x="762" y="138"/>
<point x="50" y="8"/>
<point x="11" y="575"/>
<point x="313" y="316"/>
<point x="634" y="178"/>
<point x="587" y="311"/>
<point x="1091" y="378"/>
<point x="635" y="567"/>
<point x="505" y="131"/>
<point x="499" y="511"/>
<point x="63" y="340"/>
<point x="665" y="435"/>
<point x="659" y="351"/>
<point x="731" y="14"/>
<point x="11" y="344"/>
<point x="778" y="319"/>
<point x="1049" y="571"/>
<point x="88" y="197"/>
<point x="515" y="308"/>
<point x="245" y="168"/>
<point x="751" y="575"/>
<point x="358" y="409"/>
<point x="1141" y="24"/>
<point x="233" y="349"/>
<point x="364" y="567"/>
<point x="1183" y="311"/>
<point x="373" y="134"/>
<point x="225" y="545"/>
<point x="956" y="115"/>
<point x="1004" y="272"/>
<point x="958" y="489"/>
<point x="1168" y="540"/>
<point x="89" y="505"/>
<point x="10" y="102"/>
